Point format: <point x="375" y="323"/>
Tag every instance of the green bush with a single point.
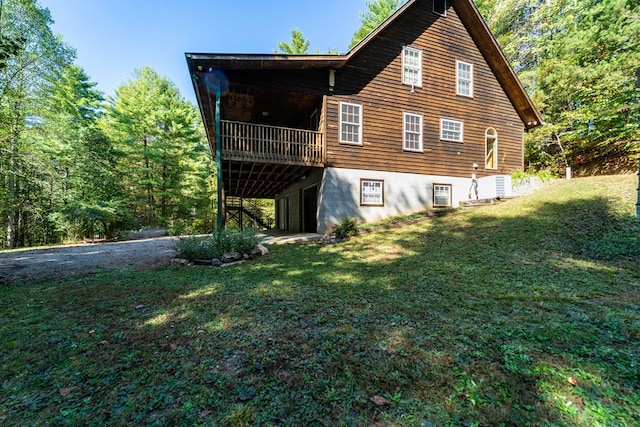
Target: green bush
<point x="216" y="245"/>
<point x="348" y="227"/>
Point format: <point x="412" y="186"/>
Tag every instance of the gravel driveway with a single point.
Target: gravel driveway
<point x="65" y="261"/>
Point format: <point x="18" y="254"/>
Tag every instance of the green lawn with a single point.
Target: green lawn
<point x="522" y="313"/>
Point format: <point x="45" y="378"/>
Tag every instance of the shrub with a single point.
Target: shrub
<point x="216" y="245"/>
<point x="348" y="227"/>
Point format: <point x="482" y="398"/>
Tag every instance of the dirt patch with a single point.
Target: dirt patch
<point x="65" y="261"/>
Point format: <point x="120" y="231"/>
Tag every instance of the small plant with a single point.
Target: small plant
<point x="348" y="227"/>
<point x="216" y="245"/>
<point x="543" y="175"/>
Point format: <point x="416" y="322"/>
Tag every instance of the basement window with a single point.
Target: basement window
<point x="371" y="192"/>
<point x="441" y="195"/>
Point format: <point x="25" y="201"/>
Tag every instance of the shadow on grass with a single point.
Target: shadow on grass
<point x="473" y="319"/>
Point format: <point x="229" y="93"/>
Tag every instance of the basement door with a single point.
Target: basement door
<point x="310" y="209"/>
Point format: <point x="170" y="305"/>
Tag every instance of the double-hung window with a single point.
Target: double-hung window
<point x="441" y="195"/>
<point x="412" y="132"/>
<point x="371" y="192"/>
<point x="350" y="123"/>
<point x="464" y="76"/>
<point x="412" y="66"/>
<point x="451" y="130"/>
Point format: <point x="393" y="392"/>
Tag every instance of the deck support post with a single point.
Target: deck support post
<point x="638" y="201"/>
<point x="221" y="209"/>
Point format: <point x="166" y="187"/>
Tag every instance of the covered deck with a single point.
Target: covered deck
<point x="269" y="113"/>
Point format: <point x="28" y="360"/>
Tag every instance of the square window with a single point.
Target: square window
<point x="412" y="132"/>
<point x="464" y="75"/>
<point x="451" y="130"/>
<point x="441" y="195"/>
<point x="371" y="192"/>
<point x="351" y="123"/>
<point x="412" y="66"/>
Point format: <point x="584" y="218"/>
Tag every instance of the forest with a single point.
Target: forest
<point x="76" y="163"/>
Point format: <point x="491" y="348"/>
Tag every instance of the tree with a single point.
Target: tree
<point x="377" y="12"/>
<point x="578" y="60"/>
<point x="297" y="46"/>
<point x="30" y="53"/>
<point x="158" y="134"/>
<point x="84" y="189"/>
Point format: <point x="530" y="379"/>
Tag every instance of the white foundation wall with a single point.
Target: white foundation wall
<point x="339" y="196"/>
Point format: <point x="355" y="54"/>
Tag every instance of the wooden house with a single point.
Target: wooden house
<point x="389" y="128"/>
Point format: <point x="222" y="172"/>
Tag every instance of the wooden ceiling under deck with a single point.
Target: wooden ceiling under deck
<point x="252" y="180"/>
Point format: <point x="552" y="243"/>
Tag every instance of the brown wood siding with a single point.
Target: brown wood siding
<point x="373" y="79"/>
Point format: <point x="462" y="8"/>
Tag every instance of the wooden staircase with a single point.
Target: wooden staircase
<point x="236" y="211"/>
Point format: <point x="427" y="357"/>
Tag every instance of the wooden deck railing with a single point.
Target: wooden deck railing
<point x="270" y="144"/>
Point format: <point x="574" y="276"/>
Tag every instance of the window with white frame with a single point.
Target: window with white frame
<point x="451" y="130"/>
<point x="412" y="132"/>
<point x="464" y="74"/>
<point x="412" y="66"/>
<point x="441" y="195"/>
<point x="350" y="123"/>
<point x="371" y="192"/>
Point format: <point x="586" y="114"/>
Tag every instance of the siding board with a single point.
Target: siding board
<point x="373" y="80"/>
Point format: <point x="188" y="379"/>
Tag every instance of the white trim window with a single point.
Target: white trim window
<point x="451" y="130"/>
<point x="412" y="66"/>
<point x="350" y="123"/>
<point x="371" y="192"/>
<point x="441" y="195"/>
<point x="464" y="79"/>
<point x="412" y="132"/>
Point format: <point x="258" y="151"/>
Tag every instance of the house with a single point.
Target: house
<point x="389" y="128"/>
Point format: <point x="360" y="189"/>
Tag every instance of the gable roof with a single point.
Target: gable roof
<point x="468" y="14"/>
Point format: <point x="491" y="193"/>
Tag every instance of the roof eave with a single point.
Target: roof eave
<point x="263" y="62"/>
<point x="477" y="27"/>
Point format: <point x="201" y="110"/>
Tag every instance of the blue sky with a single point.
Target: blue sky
<point x="115" y="37"/>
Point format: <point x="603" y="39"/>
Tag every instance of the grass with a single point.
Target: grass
<point x="521" y="313"/>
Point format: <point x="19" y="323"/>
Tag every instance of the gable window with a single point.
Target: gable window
<point x="464" y="75"/>
<point x="371" y="192"/>
<point x="451" y="130"/>
<point x="412" y="132"/>
<point x="491" y="149"/>
<point x="441" y="195"/>
<point x="350" y="123"/>
<point x="412" y="66"/>
<point x="440" y="7"/>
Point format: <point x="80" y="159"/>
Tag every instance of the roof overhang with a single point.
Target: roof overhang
<point x="468" y="13"/>
<point x="204" y="61"/>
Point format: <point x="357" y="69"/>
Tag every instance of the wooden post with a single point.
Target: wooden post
<point x="221" y="206"/>
<point x="638" y="201"/>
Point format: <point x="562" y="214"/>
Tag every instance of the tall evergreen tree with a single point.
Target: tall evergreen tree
<point x="297" y="46"/>
<point x="30" y="53"/>
<point x="156" y="131"/>
<point x="377" y="11"/>
<point x="579" y="60"/>
<point x="84" y="195"/>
